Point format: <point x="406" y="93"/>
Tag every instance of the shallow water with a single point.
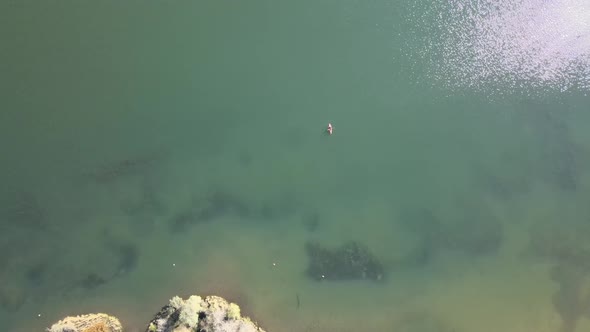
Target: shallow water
<point x="151" y="150"/>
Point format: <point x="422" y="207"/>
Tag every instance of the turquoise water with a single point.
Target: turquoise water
<point x="152" y="149"/>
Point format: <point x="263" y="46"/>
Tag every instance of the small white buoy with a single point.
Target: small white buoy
<point x="173" y="264"/>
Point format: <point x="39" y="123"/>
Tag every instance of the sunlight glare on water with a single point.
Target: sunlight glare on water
<point x="507" y="46"/>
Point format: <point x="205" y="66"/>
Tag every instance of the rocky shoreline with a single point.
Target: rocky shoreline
<point x="195" y="314"/>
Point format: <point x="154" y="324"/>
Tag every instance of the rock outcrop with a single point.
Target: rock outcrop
<point x="196" y="314"/>
<point x="87" y="323"/>
<point x="211" y="314"/>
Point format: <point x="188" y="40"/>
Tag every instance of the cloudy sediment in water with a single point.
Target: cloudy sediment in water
<point x="505" y="45"/>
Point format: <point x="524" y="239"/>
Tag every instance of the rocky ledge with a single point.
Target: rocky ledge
<point x="195" y="314"/>
<point x="211" y="314"/>
<point x="87" y="323"/>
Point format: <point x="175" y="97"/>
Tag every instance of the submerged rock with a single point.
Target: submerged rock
<point x="572" y="298"/>
<point x="474" y="231"/>
<point x="211" y="314"/>
<point x="311" y="222"/>
<point x="351" y="261"/>
<point x="421" y="322"/>
<point x="87" y="323"/>
<point x="209" y="208"/>
<point x="12" y="296"/>
<point x="562" y="243"/>
<point x="132" y="166"/>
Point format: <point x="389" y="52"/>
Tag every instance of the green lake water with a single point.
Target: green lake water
<point x="122" y="122"/>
